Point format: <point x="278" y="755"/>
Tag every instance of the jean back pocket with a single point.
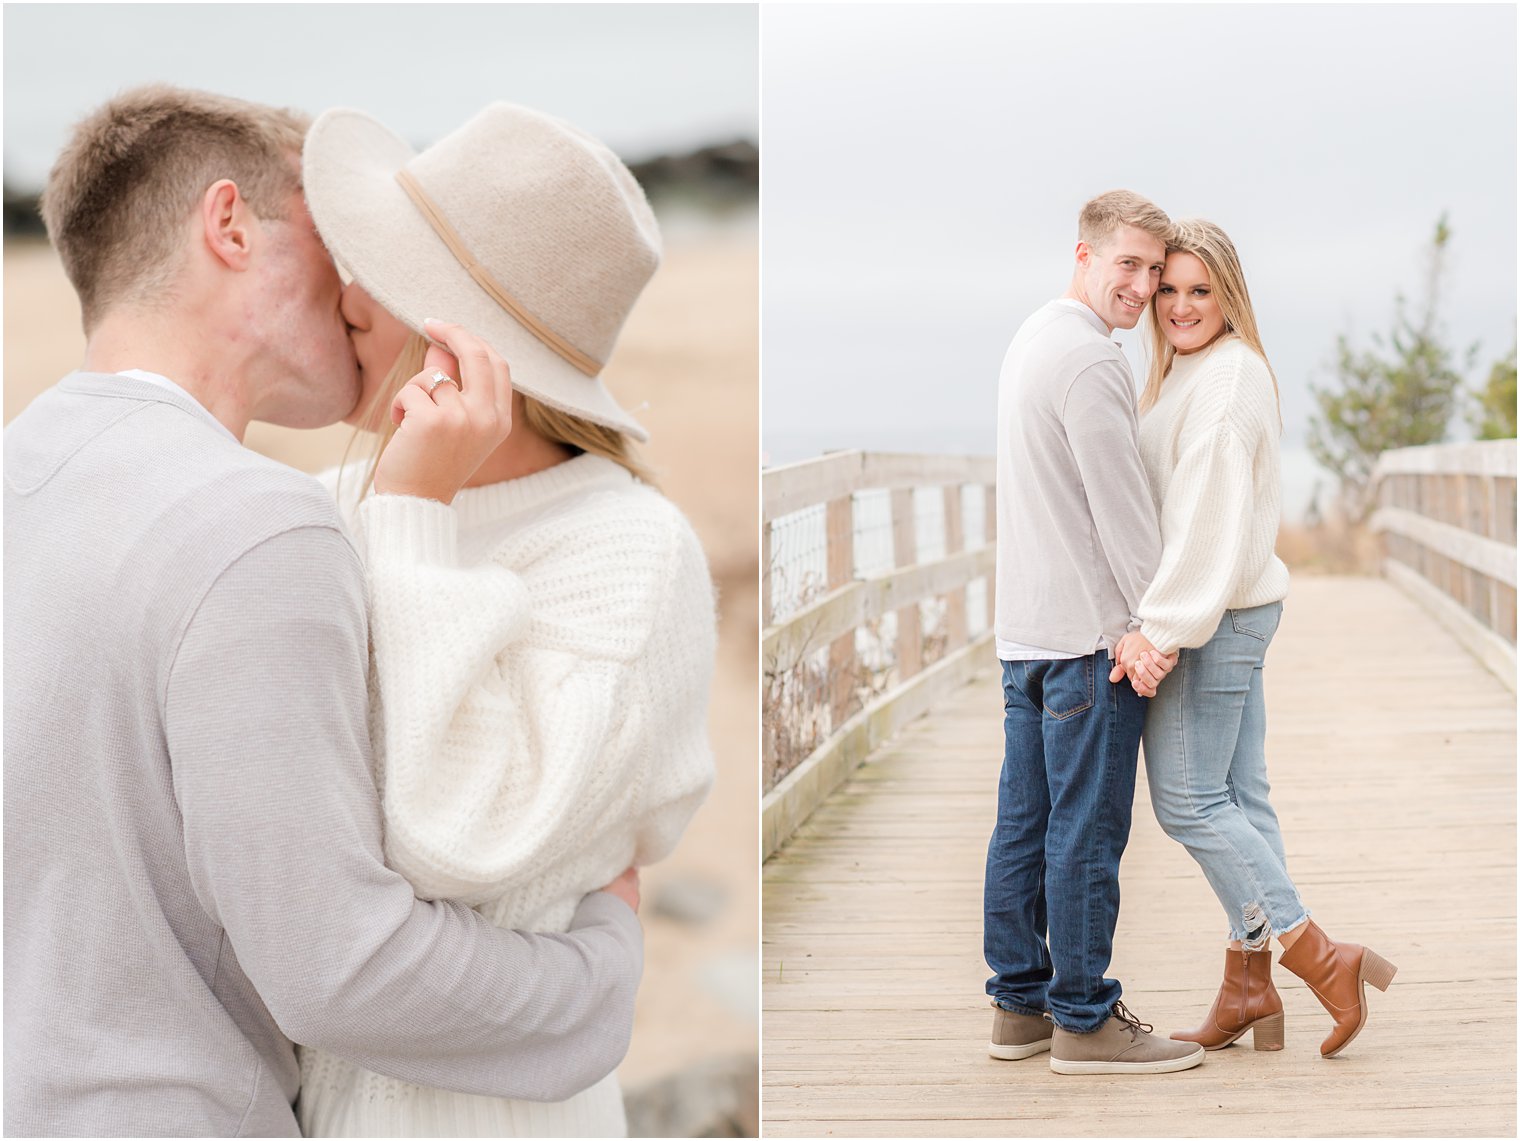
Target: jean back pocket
<point x="1068" y="687"/>
<point x="1259" y="622"/>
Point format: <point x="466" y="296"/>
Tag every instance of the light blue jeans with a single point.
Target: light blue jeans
<point x="1206" y="762"/>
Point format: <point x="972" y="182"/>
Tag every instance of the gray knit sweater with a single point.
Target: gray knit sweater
<point x="193" y="868"/>
<point x="1077" y="538"/>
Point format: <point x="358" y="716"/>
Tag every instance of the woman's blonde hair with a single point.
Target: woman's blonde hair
<point x="580" y="435"/>
<point x="1212" y="246"/>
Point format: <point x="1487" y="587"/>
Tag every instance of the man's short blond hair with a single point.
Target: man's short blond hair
<point x="1108" y="212"/>
<point x="134" y="170"/>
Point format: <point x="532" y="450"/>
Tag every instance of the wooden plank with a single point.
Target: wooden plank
<point x="1394" y="778"/>
<point x="910" y="632"/>
<point x="767" y="608"/>
<point x="1505" y="514"/>
<point x="955" y="541"/>
<point x="795" y="487"/>
<point x="1494" y="560"/>
<point x="1496" y="654"/>
<point x="840" y="529"/>
<point x="907" y="469"/>
<point x="793" y="800"/>
<point x="1484" y="457"/>
<point x="864" y="600"/>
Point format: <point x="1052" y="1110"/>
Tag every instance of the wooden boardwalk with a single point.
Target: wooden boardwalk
<point x="1393" y="760"/>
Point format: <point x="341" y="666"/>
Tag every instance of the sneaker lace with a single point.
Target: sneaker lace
<point x="1136" y="1027"/>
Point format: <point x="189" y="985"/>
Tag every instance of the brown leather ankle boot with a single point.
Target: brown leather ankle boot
<point x="1247" y="1000"/>
<point x="1336" y="973"/>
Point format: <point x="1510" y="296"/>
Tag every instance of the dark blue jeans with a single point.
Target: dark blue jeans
<point x="1071" y="741"/>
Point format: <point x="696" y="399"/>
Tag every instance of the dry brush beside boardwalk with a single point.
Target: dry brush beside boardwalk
<point x="1393" y="758"/>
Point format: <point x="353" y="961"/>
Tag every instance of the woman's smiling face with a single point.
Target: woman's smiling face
<point x="1189" y="315"/>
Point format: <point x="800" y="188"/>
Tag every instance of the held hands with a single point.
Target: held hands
<point x="626" y="888"/>
<point x="445" y="431"/>
<point x="1145" y="665"/>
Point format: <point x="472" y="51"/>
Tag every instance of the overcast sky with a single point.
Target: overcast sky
<point x="645" y="78"/>
<point x="924" y="168"/>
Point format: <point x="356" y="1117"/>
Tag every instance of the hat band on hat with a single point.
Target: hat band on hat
<point x="588" y="365"/>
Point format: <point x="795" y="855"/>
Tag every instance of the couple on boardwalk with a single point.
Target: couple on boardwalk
<point x="228" y="911"/>
<point x="1137" y="593"/>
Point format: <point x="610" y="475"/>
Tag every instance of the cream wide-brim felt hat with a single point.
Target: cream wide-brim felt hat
<point x="561" y="236"/>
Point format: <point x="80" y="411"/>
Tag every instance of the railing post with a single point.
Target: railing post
<point x="910" y="628"/>
<point x="955" y="542"/>
<point x="767" y="607"/>
<point x="841" y="569"/>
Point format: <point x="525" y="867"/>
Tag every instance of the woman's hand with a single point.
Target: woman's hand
<point x="1145" y="665"/>
<point x="445" y="431"/>
<point x="626" y="888"/>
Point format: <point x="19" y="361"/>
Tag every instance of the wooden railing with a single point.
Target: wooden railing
<point x="1446" y="515"/>
<point x="846" y="656"/>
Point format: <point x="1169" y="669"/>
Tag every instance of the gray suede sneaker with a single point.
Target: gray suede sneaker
<point x="1017" y="1035"/>
<point x="1122" y="1045"/>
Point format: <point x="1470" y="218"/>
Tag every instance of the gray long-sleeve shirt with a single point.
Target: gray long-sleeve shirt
<point x="1077" y="538"/>
<point x="193" y="868"/>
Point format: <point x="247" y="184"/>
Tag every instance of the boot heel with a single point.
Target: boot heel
<point x="1377" y="970"/>
<point x="1267" y="1033"/>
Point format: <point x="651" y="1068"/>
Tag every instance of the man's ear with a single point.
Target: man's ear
<point x="227" y="224"/>
<point x="1084" y="254"/>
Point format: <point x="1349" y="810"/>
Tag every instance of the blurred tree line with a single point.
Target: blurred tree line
<point x="723" y="176"/>
<point x="1404" y="390"/>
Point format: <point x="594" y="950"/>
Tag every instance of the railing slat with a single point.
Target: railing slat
<point x="910" y="629"/>
<point x="807" y="484"/>
<point x="904" y="469"/>
<point x="798" y="486"/>
<point x="1483" y="555"/>
<point x="867" y="599"/>
<point x="1446" y="516"/>
<point x="955" y="540"/>
<point x="1481" y="457"/>
<point x="832" y="657"/>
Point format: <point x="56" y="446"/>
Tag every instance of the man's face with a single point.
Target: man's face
<point x="317" y="381"/>
<point x="1119" y="274"/>
<point x="378" y="339"/>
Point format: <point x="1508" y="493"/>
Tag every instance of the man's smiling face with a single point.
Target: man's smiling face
<point x="1118" y="275"/>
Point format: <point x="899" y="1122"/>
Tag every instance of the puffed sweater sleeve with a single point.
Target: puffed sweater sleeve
<point x="1208" y="516"/>
<point x="518" y="720"/>
<point x="265" y="712"/>
<point x="683" y="639"/>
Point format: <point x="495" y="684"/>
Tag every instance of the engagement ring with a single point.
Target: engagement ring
<point x="441" y="377"/>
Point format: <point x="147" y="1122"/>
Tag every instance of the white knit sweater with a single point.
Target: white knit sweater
<point x="1210" y="449"/>
<point x="543" y="651"/>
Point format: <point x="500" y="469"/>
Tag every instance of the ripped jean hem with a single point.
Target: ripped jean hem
<point x="1266" y="932"/>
